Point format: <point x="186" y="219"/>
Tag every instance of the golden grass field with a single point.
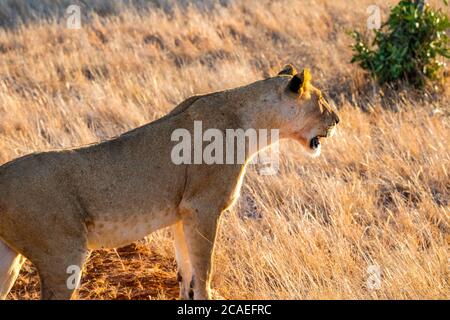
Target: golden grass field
<point x="378" y="196"/>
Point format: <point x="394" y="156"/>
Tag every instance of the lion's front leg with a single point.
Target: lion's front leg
<point x="200" y="227"/>
<point x="183" y="261"/>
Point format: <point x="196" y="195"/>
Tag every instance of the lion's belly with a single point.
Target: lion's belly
<point x="111" y="232"/>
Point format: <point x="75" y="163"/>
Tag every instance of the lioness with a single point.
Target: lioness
<point x="56" y="206"/>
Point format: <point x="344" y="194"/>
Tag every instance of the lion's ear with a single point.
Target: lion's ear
<point x="300" y="82"/>
<point x="288" y="70"/>
<point x="306" y="78"/>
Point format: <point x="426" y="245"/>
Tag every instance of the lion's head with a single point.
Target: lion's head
<point x="309" y="116"/>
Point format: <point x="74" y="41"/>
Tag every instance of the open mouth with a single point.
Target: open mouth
<point x="314" y="143"/>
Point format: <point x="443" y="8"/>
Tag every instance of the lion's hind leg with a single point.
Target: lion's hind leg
<point x="60" y="271"/>
<point x="10" y="264"/>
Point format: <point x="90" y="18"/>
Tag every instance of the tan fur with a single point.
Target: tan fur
<point x="56" y="206"/>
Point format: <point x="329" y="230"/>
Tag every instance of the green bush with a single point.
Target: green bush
<point x="409" y="46"/>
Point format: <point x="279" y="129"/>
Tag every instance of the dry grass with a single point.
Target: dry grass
<point x="379" y="195"/>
